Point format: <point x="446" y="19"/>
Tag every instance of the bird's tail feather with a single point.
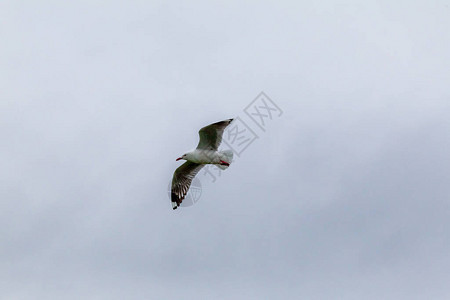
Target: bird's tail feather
<point x="226" y="156"/>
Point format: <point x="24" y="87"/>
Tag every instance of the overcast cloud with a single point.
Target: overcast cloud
<point x="344" y="196"/>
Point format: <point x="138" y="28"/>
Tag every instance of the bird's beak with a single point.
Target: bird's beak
<point x="178" y="158"/>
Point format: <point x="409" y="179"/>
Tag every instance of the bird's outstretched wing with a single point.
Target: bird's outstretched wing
<point x="181" y="181"/>
<point x="211" y="135"/>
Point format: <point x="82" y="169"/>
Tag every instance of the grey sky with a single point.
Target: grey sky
<point x="345" y="196"/>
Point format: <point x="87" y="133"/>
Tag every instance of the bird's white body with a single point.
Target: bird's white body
<point x="200" y="156"/>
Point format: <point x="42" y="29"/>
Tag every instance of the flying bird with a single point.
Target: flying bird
<point x="205" y="153"/>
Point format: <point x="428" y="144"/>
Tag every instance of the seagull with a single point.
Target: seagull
<point x="205" y="153"/>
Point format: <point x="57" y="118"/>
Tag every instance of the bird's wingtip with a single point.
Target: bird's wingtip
<point x="174" y="205"/>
